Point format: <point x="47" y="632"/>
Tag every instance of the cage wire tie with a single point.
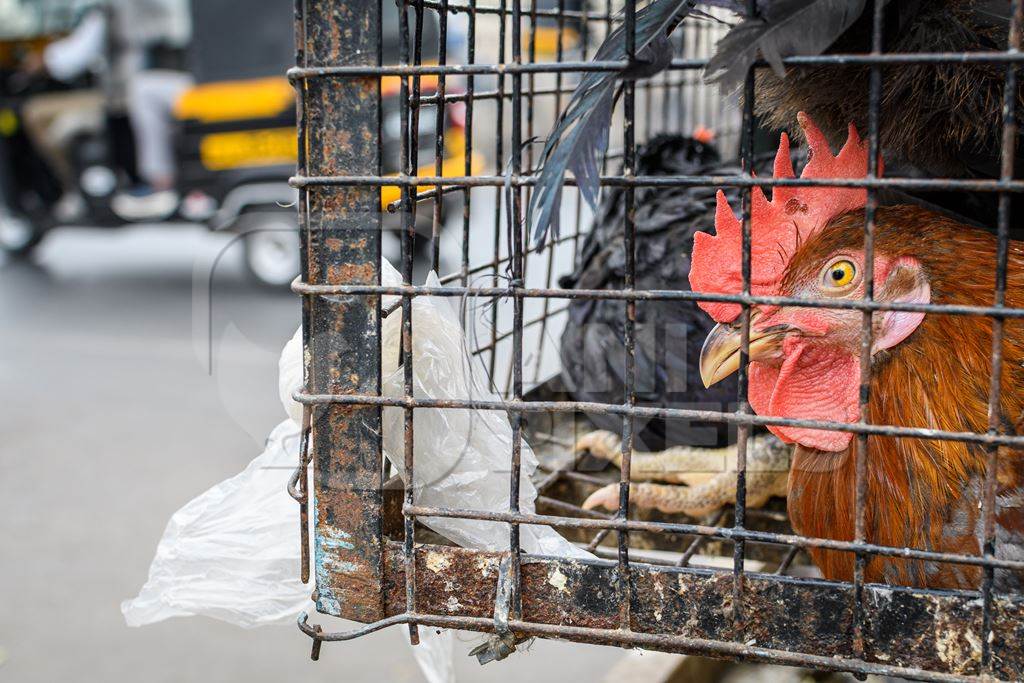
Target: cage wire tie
<point x="503" y="642"/>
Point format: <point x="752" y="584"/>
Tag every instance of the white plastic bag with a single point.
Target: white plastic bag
<point x="462" y="457"/>
<point x="232" y="553"/>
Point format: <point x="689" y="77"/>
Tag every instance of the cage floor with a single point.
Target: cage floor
<point x="564" y="481"/>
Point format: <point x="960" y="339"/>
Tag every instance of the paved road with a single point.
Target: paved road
<point x="110" y="420"/>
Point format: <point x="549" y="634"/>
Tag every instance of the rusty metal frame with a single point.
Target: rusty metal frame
<point x="341" y="244"/>
<point x="737" y="613"/>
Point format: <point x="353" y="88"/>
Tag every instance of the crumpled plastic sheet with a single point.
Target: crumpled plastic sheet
<point x="231" y="553"/>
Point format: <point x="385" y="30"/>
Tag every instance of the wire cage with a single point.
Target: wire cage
<point x="730" y="585"/>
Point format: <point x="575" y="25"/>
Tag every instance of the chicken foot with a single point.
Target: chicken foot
<point x="698" y="481"/>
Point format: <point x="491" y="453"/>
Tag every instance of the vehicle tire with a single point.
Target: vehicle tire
<point x="271" y="249"/>
<point x="18" y="236"/>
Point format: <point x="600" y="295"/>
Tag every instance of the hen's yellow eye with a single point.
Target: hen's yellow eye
<point x="840" y="274"/>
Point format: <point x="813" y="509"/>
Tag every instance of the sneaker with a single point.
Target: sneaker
<point x="143" y="203"/>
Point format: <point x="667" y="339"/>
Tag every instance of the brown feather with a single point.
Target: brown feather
<point x="923" y="494"/>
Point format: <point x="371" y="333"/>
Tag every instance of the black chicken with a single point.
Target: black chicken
<point x="669" y="334"/>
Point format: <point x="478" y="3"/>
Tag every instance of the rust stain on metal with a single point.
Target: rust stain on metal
<point x="1006" y="636"/>
<point x="437" y="562"/>
<point x="352" y="272"/>
<point x="796" y="615"/>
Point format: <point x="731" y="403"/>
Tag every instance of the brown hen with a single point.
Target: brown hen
<point x="927" y="370"/>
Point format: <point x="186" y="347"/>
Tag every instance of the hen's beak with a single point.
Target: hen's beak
<point x="720" y="356"/>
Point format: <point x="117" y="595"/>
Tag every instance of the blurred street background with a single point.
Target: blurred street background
<point x="111" y="421"/>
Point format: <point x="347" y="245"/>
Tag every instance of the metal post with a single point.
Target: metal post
<point x="342" y="118"/>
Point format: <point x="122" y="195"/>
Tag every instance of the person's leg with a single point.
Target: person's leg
<point x="39" y="116"/>
<point x="84" y="113"/>
<point x="51" y="122"/>
<point x="151" y="98"/>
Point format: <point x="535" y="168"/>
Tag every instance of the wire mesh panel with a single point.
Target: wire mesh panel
<point x="455" y="95"/>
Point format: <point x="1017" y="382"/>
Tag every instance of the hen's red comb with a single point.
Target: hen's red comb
<point x="778" y="226"/>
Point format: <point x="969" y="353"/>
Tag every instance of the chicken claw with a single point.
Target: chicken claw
<point x="709" y="475"/>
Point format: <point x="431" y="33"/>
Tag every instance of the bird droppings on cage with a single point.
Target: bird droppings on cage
<point x="728" y="570"/>
<point x="906" y="626"/>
